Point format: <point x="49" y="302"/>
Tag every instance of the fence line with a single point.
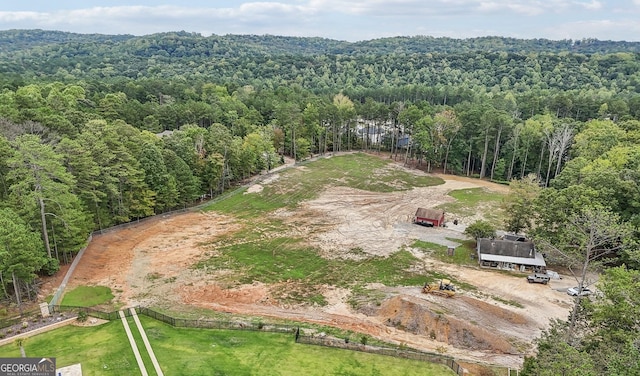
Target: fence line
<point x="217" y="324"/>
<point x="182" y="323"/>
<point x="379" y="350"/>
<point x="268" y="327"/>
<point x="72" y="268"/>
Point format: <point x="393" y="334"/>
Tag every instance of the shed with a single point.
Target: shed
<point x="509" y="255"/>
<point x="429" y="217"/>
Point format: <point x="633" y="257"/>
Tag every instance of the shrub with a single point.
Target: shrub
<point x="82" y="316"/>
<point x="480" y="229"/>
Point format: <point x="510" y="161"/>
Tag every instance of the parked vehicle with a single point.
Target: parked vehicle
<point x="539" y="278"/>
<point x="575" y="291"/>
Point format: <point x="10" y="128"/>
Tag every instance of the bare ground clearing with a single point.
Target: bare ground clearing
<point x="150" y="264"/>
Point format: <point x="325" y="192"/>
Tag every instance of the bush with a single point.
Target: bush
<point x="82" y="316"/>
<point x="481" y="229"/>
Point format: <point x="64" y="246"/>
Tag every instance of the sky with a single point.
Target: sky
<point x="350" y="20"/>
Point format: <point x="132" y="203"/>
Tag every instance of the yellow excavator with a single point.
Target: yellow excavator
<point x="443" y="288"/>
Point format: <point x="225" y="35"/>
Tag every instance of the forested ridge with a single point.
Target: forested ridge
<point x="80" y="150"/>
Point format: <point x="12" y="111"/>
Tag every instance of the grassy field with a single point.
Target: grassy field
<point x="261" y="253"/>
<point x="462" y="255"/>
<point x="359" y="171"/>
<point x="469" y="201"/>
<point x="87" y="296"/>
<point x="104" y="350"/>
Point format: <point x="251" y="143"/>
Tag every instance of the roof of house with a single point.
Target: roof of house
<point x="518" y="238"/>
<point x="429" y="213"/>
<point x="537" y="261"/>
<point x="510" y="248"/>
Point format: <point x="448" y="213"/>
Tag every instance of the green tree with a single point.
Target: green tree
<point x="156" y="176"/>
<point x="188" y="185"/>
<point x="21" y="252"/>
<point x="5" y="153"/>
<point x="446" y="126"/>
<point x="556" y="357"/>
<point x="598" y="137"/>
<point x="346" y="113"/>
<point x="41" y="184"/>
<point x="121" y="177"/>
<point x="78" y="161"/>
<point x="519" y="204"/>
<point x="581" y="241"/>
<point x="613" y="338"/>
<point x="480" y="229"/>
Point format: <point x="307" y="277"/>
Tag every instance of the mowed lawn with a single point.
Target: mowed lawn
<point x="104" y="350"/>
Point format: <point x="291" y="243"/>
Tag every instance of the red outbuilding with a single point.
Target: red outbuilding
<point x="429" y="217"/>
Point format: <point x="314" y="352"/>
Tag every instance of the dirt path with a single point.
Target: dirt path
<point x="150" y="263"/>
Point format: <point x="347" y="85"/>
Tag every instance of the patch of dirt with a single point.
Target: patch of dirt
<point x="151" y="263"/>
<point x="149" y="256"/>
<point x="91" y="321"/>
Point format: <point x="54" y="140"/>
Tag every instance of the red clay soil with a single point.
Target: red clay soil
<point x="151" y="263"/>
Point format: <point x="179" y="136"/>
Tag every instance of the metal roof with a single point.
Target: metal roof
<point x="501" y="247"/>
<point x="537" y="261"/>
<point x="429" y="213"/>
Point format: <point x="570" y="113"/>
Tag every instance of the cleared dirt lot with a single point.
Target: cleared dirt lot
<point x="150" y="264"/>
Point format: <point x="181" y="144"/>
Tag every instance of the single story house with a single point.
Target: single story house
<point x="429" y="217"/>
<point x="509" y="255"/>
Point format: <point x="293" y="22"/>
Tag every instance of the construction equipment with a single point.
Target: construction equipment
<point x="443" y="288"/>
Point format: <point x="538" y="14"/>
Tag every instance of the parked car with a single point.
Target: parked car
<point x="538" y="278"/>
<point x="575" y="291"/>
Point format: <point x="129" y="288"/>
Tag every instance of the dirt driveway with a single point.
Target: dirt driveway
<point x="150" y="264"/>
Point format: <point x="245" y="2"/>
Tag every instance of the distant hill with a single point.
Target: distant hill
<point x="17" y="40"/>
<point x="14" y="40"/>
<point x="319" y="64"/>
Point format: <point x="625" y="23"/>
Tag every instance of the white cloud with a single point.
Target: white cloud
<point x="593" y="5"/>
<point x="346" y="19"/>
<point x="21" y="16"/>
<point x="448" y="7"/>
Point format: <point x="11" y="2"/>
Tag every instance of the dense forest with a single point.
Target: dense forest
<point x="97" y="130"/>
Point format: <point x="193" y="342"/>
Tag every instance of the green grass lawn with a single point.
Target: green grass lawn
<point x="146" y="359"/>
<point x="229" y="352"/>
<point x="470" y="200"/>
<point x="105" y="350"/>
<point x="87" y="296"/>
<point x="462" y="254"/>
<point x="102" y="350"/>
